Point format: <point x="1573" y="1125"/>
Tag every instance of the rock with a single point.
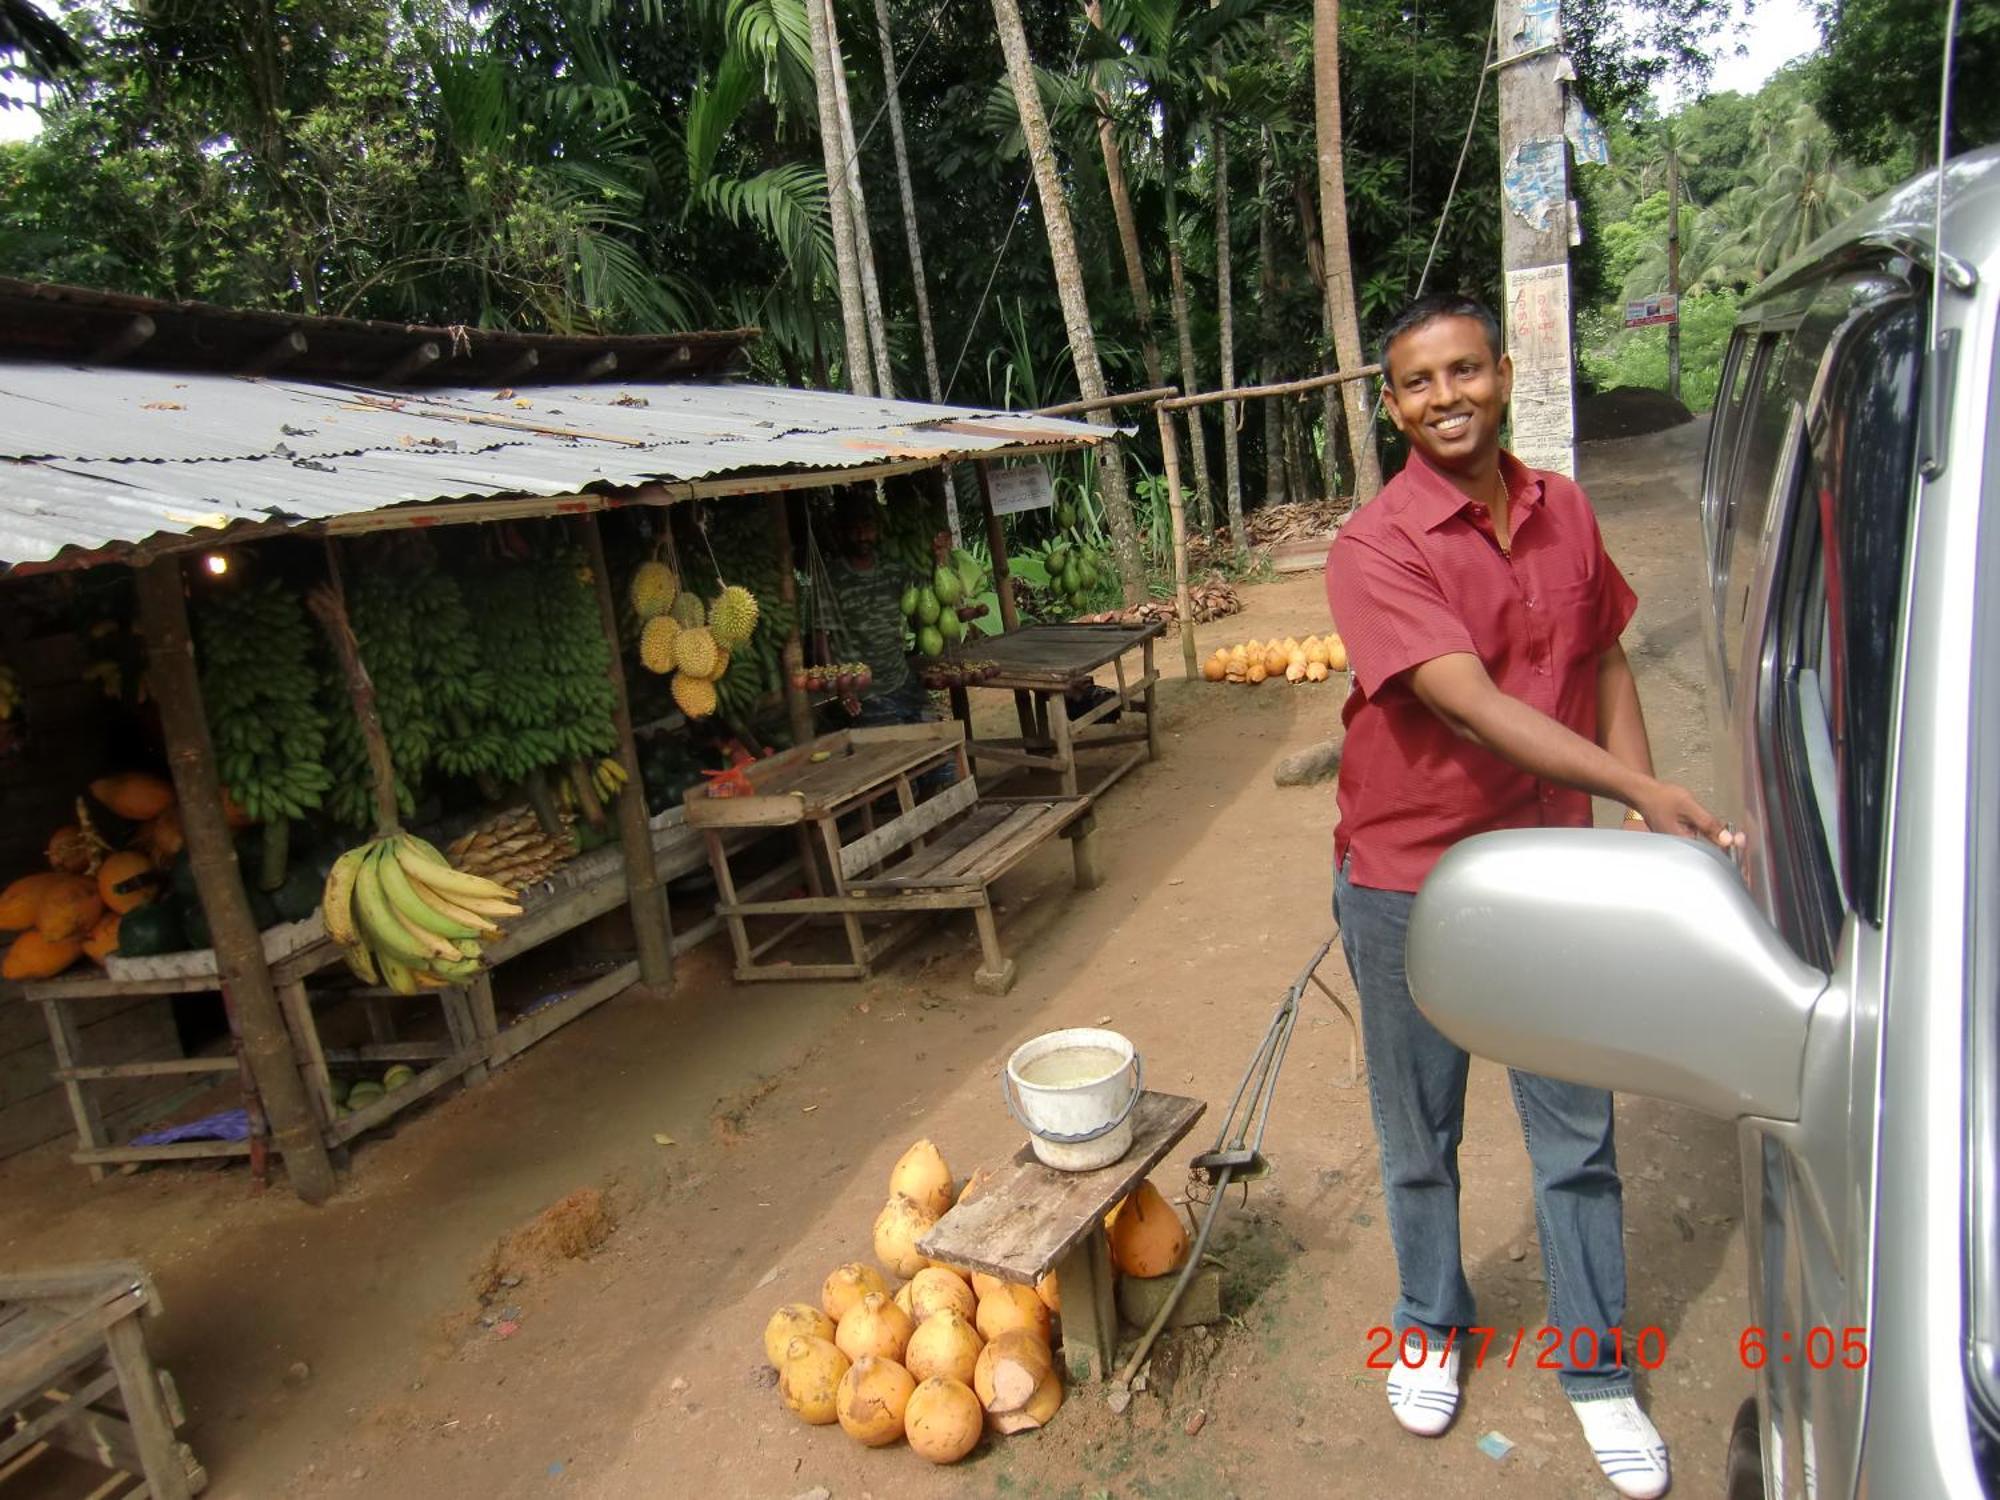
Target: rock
<point x="1304" y="767"/>
<point x="1517" y="1251"/>
<point x="1118" y="1400"/>
<point x="1140" y="1299"/>
<point x="1194" y="1421"/>
<point x="298" y="1373"/>
<point x="817" y="1492"/>
<point x="677" y="1384"/>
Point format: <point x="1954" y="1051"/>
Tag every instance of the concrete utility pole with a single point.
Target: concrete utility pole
<point x="1534" y="234"/>
<point x="1674" y="270"/>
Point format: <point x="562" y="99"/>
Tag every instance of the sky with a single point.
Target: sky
<point x="1771" y="35"/>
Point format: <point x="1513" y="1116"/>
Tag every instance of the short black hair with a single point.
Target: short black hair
<point x="1432" y="306"/>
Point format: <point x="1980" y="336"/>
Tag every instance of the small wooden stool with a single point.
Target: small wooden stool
<point x="1031" y="1218"/>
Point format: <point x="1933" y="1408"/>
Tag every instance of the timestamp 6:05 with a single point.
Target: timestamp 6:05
<point x="1818" y="1348"/>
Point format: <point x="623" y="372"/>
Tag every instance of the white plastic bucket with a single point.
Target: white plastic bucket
<point x="1076" y="1127"/>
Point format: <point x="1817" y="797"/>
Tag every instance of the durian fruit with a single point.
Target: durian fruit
<point x="721" y="665"/>
<point x="656" y="644"/>
<point x="693" y="696"/>
<point x="689" y="610"/>
<point x="653" y="589"/>
<point x="695" y="652"/>
<point x="733" y="616"/>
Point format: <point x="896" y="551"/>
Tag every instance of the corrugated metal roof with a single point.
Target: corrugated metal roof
<point x="102" y="460"/>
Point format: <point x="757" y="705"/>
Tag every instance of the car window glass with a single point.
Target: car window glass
<point x="1836" y="621"/>
<point x="1728" y="431"/>
<point x="1748" y="500"/>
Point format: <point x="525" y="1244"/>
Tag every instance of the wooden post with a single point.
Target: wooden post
<point x="792" y="658"/>
<point x="331" y="607"/>
<point x="239" y="947"/>
<point x="651" y="922"/>
<point x="996" y="543"/>
<point x="1534" y="239"/>
<point x="1674" y="270"/>
<point x="1179" y="515"/>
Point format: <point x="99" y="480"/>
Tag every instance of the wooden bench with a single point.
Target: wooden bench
<point x="954" y="846"/>
<point x="1031" y="1219"/>
<point x="75" y="1375"/>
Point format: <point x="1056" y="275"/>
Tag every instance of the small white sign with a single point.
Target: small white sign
<point x="1024" y="488"/>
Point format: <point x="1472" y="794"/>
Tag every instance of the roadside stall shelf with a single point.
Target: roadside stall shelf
<point x="1041" y="664"/>
<point x="293" y="952"/>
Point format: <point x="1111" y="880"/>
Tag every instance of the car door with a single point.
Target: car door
<point x="1815" y="709"/>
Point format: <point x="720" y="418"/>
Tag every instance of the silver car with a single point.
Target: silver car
<point x="1834" y="984"/>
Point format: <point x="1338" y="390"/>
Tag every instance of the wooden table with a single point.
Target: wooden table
<point x="75" y="1375"/>
<point x="1031" y="1219"/>
<point x="1041" y="663"/>
<point x="807" y="790"/>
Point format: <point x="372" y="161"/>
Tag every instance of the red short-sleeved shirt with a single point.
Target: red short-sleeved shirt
<point x="1416" y="574"/>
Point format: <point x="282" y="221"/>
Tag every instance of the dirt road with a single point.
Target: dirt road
<point x="341" y="1352"/>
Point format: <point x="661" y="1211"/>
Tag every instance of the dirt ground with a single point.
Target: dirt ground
<point x="742" y="1137"/>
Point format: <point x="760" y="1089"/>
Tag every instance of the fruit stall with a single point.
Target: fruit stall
<point x="384" y="679"/>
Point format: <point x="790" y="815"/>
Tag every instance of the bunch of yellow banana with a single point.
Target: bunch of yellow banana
<point x="405" y="918"/>
<point x="609" y="777"/>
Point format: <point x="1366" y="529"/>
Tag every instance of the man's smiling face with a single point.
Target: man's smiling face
<point x="1448" y="390"/>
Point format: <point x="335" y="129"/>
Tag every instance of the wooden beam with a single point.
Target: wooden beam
<point x="330" y="605"/>
<point x="792" y="656"/>
<point x="651" y="922"/>
<point x="1105" y="403"/>
<point x="419" y="359"/>
<point x="135" y="332"/>
<point x="1283" y="388"/>
<point x="239" y="947"/>
<point x="521" y="368"/>
<point x="281" y="351"/>
<point x="996" y="543"/>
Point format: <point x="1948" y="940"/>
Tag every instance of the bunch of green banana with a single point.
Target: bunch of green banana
<point x="405" y="918"/>
<point x="452" y="675"/>
<point x="261" y="688"/>
<point x="575" y="656"/>
<point x="609" y="777"/>
<point x="523" y="708"/>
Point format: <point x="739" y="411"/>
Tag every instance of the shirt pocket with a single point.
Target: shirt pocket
<point x="1574" y="609"/>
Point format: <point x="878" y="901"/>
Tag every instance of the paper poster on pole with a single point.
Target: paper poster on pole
<point x="1543" y="410"/>
<point x="1024" y="488"/>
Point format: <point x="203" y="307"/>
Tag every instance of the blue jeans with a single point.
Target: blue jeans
<point x="1416" y="1089"/>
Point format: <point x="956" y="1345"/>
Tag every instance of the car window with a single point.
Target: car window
<point x="1747" y="500"/>
<point x="1836" y="621"/>
<point x="1735" y="384"/>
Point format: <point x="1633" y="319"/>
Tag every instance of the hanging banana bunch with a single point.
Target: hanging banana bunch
<point x="404" y="917"/>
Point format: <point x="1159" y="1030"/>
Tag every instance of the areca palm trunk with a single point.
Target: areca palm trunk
<point x="1128" y="223"/>
<point x="1342" y="318"/>
<point x="925" y="330"/>
<point x="1069" y="288"/>
<point x="1267" y="282"/>
<point x="864" y="245"/>
<point x="1190" y="376"/>
<point x="1225" y="311"/>
<point x="840" y="209"/>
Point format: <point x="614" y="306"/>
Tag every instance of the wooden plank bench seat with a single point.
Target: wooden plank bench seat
<point x="1030" y="1219"/>
<point x="958" y="844"/>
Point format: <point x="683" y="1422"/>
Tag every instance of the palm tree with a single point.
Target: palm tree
<point x="1225" y="310"/>
<point x="44" y="47"/>
<point x="860" y="370"/>
<point x="1714" y="256"/>
<point x="1807" y="189"/>
<point x="1069" y="287"/>
<point x="1341" y="314"/>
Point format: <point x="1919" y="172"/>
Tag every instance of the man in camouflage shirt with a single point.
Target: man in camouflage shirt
<point x="871" y="619"/>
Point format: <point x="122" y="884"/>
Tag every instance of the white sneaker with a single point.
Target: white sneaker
<point x="1424" y="1394"/>
<point x="1626" y="1444"/>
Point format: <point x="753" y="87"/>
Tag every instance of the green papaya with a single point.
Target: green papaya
<point x="951" y="627"/>
<point x="910" y="600"/>
<point x="930" y="641"/>
<point x="927" y="608"/>
<point x="945" y="584"/>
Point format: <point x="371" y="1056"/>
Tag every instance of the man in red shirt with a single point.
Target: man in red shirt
<point x="1481" y="616"/>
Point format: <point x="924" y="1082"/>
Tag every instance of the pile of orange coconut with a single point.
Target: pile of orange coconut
<point x="951" y="1353"/>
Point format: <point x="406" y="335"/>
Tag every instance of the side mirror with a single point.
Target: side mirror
<point x="1626" y="961"/>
